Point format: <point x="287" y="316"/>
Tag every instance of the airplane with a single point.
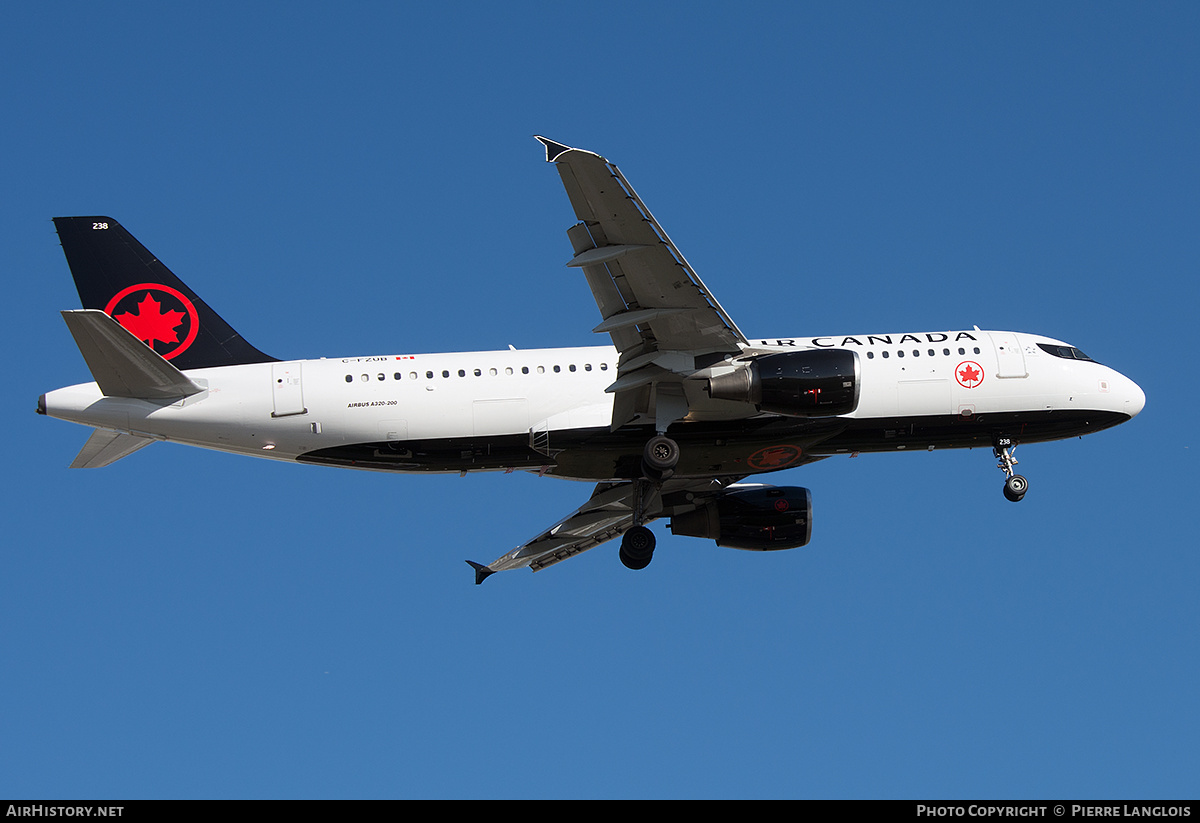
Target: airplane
<point x="679" y="418"/>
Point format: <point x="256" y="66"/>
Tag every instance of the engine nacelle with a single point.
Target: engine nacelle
<point x="807" y="383"/>
<point x="753" y="517"/>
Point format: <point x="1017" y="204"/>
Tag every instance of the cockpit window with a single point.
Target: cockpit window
<point x="1065" y="352"/>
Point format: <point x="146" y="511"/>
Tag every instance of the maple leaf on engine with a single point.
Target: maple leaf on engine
<point x="151" y="323"/>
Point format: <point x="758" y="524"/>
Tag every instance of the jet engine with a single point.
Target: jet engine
<point x="807" y="383"/>
<point x="756" y="517"/>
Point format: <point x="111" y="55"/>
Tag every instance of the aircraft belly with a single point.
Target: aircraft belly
<point x="955" y="431"/>
<point x="595" y="453"/>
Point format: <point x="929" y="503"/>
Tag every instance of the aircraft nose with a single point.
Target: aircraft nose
<point x="1135" y="399"/>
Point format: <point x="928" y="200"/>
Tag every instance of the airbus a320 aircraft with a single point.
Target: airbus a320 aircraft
<point x="670" y="421"/>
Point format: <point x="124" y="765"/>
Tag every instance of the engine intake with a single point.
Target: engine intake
<point x="752" y="517"/>
<point x="809" y="383"/>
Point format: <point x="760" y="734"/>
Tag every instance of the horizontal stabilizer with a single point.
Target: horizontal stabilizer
<point x="106" y="447"/>
<point x="122" y="365"/>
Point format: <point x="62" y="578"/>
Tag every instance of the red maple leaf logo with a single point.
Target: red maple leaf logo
<point x="774" y="457"/>
<point x="969" y="375"/>
<point x="151" y="323"/>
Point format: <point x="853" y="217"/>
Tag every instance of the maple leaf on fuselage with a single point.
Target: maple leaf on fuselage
<point x="969" y="375"/>
<point x="776" y="457"/>
<point x="151" y="323"/>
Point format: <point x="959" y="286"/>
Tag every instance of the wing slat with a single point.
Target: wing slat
<point x="651" y="301"/>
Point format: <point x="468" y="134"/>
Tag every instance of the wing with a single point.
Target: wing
<point x="664" y="322"/>
<point x="608" y="513"/>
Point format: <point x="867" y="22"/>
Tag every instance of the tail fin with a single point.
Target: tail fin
<point x="115" y="273"/>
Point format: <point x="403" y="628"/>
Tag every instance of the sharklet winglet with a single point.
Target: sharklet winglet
<point x="482" y="572"/>
<point x="553" y="149"/>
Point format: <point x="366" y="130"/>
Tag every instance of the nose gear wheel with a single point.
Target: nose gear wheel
<point x="1015" y="485"/>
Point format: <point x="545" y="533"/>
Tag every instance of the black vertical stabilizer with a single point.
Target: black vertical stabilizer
<point x="115" y="273"/>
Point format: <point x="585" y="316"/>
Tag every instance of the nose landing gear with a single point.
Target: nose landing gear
<point x="1015" y="485"/>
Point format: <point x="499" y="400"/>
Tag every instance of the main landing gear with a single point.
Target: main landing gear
<point x="659" y="459"/>
<point x="1015" y="485"/>
<point x="637" y="548"/>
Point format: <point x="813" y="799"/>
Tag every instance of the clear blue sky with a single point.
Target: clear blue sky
<point x="361" y="179"/>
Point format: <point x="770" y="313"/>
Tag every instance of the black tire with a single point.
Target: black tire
<point x="637" y="564"/>
<point x="637" y="547"/>
<point x="660" y="456"/>
<point x="1015" y="488"/>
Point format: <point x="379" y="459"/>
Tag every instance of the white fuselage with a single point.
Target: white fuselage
<point x="286" y="409"/>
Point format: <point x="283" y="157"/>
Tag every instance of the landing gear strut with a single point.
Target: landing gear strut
<point x="1015" y="485"/>
<point x="659" y="459"/>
